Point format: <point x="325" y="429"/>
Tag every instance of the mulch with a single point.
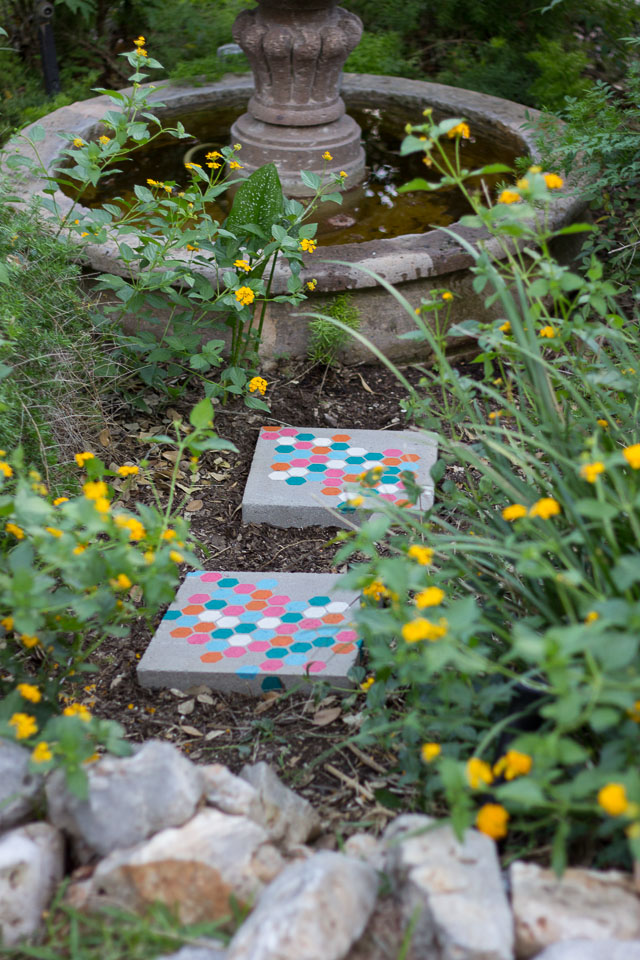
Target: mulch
<point x="303" y="735"/>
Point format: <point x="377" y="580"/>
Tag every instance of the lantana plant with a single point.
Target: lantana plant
<point x="74" y="571"/>
<point x="502" y="625"/>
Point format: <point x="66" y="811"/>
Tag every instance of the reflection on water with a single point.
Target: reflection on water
<point x="369" y="211"/>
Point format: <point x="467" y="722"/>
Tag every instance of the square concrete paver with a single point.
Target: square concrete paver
<point x="299" y="473"/>
<point x="251" y="632"/>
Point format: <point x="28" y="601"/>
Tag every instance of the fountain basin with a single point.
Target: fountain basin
<point x="415" y="263"/>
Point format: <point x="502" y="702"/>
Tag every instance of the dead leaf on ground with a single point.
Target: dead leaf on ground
<point x="171" y="455"/>
<point x="187" y="707"/>
<point x="212" y="734"/>
<point x="194" y="505"/>
<point x="105" y="437"/>
<point x="191" y="731"/>
<point x="365" y="384"/>
<point x="324" y="717"/>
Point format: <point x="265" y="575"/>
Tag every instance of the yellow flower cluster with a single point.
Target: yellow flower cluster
<point x="96" y="491"/>
<point x="14" y="529"/>
<point x="5" y="469"/>
<point x="242" y="265"/>
<point x="431" y="597"/>
<point x="133" y="525"/>
<point x="423" y="629"/>
<point x="544" y="508"/>
<point x="77" y="710"/>
<point x="25" y="725"/>
<point x="127" y="471"/>
<point x="41" y="753"/>
<point x="460" y="130"/>
<point x="513" y="764"/>
<point x="429" y="751"/>
<point x="632" y="456"/>
<point x="245" y="296"/>
<point x="308" y="246"/>
<point x="422" y="555"/>
<point x="258" y="384"/>
<point x="29" y="692"/>
<point x="591" y="471"/>
<point x="81" y="458"/>
<point x="492" y="819"/>
<point x="613" y="799"/>
<point x="121" y="582"/>
<point x="367" y="684"/>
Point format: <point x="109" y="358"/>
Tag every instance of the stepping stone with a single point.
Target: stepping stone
<point x="252" y="632"/>
<point x="299" y="473"/>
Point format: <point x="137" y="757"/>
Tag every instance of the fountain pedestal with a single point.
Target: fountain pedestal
<point x="297" y="49"/>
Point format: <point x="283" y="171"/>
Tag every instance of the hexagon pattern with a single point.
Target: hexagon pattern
<point x="258" y="628"/>
<point x="331" y="460"/>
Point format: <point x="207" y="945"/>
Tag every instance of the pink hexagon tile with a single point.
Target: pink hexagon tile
<point x="252" y="632"/>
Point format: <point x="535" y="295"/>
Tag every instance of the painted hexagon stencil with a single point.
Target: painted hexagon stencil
<point x="214" y="633"/>
<point x="298" y="474"/>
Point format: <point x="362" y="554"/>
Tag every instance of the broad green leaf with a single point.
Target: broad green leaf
<point x="202" y="414"/>
<point x="259" y="200"/>
<point x="596" y="510"/>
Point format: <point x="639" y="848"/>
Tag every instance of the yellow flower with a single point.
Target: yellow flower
<point x="460" y="130"/>
<point x="29" y="640"/>
<point x="423" y="555"/>
<point x="25" y="725"/>
<point x="367" y="684"/>
<point x="81" y="458"/>
<point x="613" y="799"/>
<point x="176" y="557"/>
<point x="422" y="629"/>
<point x="168" y="535"/>
<point x="522" y="184"/>
<point x="447" y="295"/>
<point x="376" y="591"/>
<point x="545" y="508"/>
<point x="121" y="582"/>
<point x="514" y="512"/>
<point x="478" y="772"/>
<point x="153" y="183"/>
<point x="513" y="764"/>
<point x="429" y="751"/>
<point x="258" y="384"/>
<point x="492" y="819"/>
<point x="431" y="597"/>
<point x="213" y="155"/>
<point x="7" y="623"/>
<point x="149" y="556"/>
<point x="191" y="247"/>
<point x="553" y="181"/>
<point x="140" y="42"/>
<point x="327" y="156"/>
<point x="126" y="471"/>
<point x="245" y="296"/>
<point x="193" y="166"/>
<point x="632" y="456"/>
<point x="104" y="139"/>
<point x="78" y="142"/>
<point x="496" y="414"/>
<point x="17" y="531"/>
<point x="548" y="332"/>
<point x="213" y="166"/>
<point x="535" y="169"/>
<point x="592" y="616"/>
<point x="312" y="284"/>
<point x="308" y="246"/>
<point x="509" y="196"/>
<point x="242" y="265"/>
<point x="60" y="500"/>
<point x="355" y="501"/>
<point x="143" y="53"/>
<point x="343" y="174"/>
<point x="591" y="471"/>
<point x="29" y="692"/>
<point x="95" y="489"/>
<point x="79" y="549"/>
<point x="54" y="531"/>
<point x="41" y="753"/>
<point x="5" y="469"/>
<point x="237" y="146"/>
<point x="234" y="165"/>
<point x="603" y="423"/>
<point x="77" y="710"/>
<point x="133" y="525"/>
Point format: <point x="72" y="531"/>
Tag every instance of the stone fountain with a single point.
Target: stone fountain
<point x="297" y="49"/>
<point x="295" y="112"/>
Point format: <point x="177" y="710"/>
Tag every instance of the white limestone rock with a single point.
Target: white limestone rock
<point x="581" y="905"/>
<point x="454" y="888"/>
<point x="314" y="910"/>
<point x="592" y="950"/>
<point x="19" y="788"/>
<point x="287" y="817"/>
<point x="231" y="794"/>
<point x="31" y="866"/>
<point x="214" y="952"/>
<point x="364" y="846"/>
<point x="194" y="869"/>
<point x="130" y="799"/>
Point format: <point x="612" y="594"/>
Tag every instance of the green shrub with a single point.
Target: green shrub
<point x="502" y="626"/>
<point x="73" y="571"/>
<point x="382" y="53"/>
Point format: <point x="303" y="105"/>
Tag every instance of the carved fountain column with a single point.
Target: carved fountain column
<point x="297" y="49"/>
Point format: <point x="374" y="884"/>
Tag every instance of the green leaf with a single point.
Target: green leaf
<point x="259" y="200"/>
<point x="596" y="510"/>
<point x="524" y="791"/>
<point x="202" y="414"/>
<point x="418" y="184"/>
<point x="4" y="273"/>
<point x="311" y="179"/>
<point x="627" y="571"/>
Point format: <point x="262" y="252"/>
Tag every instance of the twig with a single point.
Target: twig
<point x="350" y="782"/>
<point x="366" y="759"/>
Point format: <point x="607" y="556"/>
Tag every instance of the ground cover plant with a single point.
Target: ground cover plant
<point x="507" y="616"/>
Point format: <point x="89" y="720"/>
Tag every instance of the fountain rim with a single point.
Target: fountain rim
<point x="395" y="260"/>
